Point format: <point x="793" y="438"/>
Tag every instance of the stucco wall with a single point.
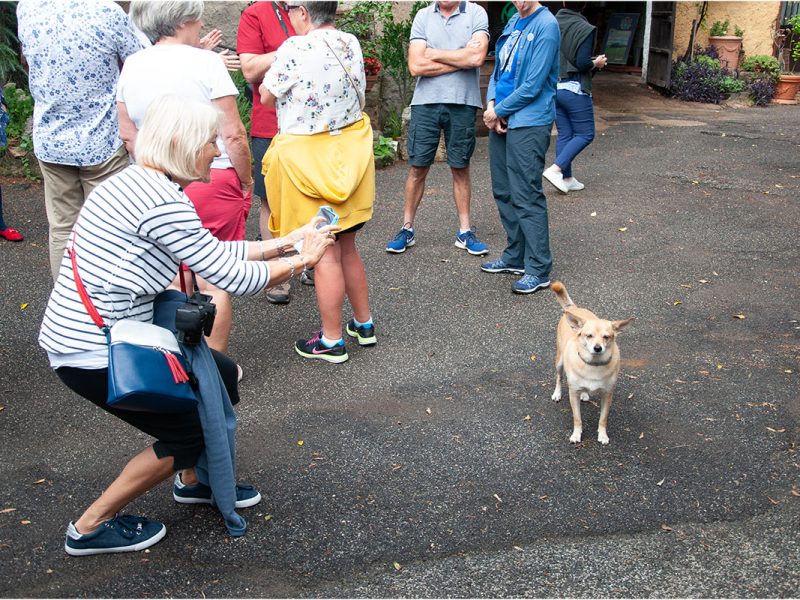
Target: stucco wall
<point x="225" y="17"/>
<point x="755" y="18"/>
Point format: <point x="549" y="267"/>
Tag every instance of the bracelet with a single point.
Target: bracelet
<point x="303" y="260"/>
<point x="279" y="247"/>
<point x="291" y="264"/>
<point x="263" y="253"/>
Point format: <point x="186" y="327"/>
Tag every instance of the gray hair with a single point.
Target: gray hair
<point x="320" y="13"/>
<point x="160" y="18"/>
<point x="174" y="133"/>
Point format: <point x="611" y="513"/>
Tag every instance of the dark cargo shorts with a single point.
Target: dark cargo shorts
<point x="428" y="121"/>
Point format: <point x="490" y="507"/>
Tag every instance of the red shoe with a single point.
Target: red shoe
<point x="11" y="234"/>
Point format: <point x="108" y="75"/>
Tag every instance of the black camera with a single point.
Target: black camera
<point x="195" y="318"/>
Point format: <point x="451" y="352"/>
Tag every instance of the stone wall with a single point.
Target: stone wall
<point x="757" y="19"/>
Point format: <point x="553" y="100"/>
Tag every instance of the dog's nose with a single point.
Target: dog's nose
<point x="598" y="348"/>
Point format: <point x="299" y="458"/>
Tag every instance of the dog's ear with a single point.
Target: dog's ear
<point x="574" y="320"/>
<point x="617" y="326"/>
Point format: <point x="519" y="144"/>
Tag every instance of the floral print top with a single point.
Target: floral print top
<point x="74" y="49"/>
<point x="314" y="93"/>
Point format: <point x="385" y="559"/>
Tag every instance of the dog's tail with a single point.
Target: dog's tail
<point x="561" y="295"/>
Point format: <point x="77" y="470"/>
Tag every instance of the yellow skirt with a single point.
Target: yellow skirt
<point x="304" y="172"/>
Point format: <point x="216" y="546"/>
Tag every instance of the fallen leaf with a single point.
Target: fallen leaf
<point x="300" y="442"/>
<point x="623" y="229"/>
<point x="7" y="510"/>
<point x="676" y="303"/>
<point x="38" y="481"/>
<point x="49" y="571"/>
<point x="787" y="371"/>
<point x="739" y="317"/>
<point x="25" y="522"/>
<point x="394" y="289"/>
<point x="517" y="548"/>
<point x="686" y="285"/>
<point x="660" y="483"/>
<point x="428" y="410"/>
<point x="641" y="436"/>
<point x="533" y="357"/>
<point x="665" y="527"/>
<point x="772" y="500"/>
<point x="776" y="430"/>
<point x="267" y="517"/>
<point x="630" y="396"/>
<point x="397" y="566"/>
<point x="498" y="498"/>
<point x="795" y="492"/>
<point x="695" y="182"/>
<point x="526" y="418"/>
<point x="779" y="186"/>
<point x="2" y="408"/>
<point x="24" y="305"/>
<point x="703" y="280"/>
<point x="594" y="214"/>
<point x="444" y="260"/>
<point x="720" y="367"/>
<point x="545" y="497"/>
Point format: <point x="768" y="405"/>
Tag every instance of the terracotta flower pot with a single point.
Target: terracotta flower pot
<point x="786" y="90"/>
<point x="371" y="80"/>
<point x="728" y="47"/>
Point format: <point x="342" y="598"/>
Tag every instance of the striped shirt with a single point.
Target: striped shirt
<point x="131" y="236"/>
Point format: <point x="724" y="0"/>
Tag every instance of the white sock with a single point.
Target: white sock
<point x="360" y="324"/>
<point x="331" y="343"/>
<point x="463" y="231"/>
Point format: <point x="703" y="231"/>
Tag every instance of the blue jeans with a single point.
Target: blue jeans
<point x="516" y="160"/>
<point x="575" y="124"/>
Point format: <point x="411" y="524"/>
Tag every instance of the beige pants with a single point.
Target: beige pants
<point x="65" y="190"/>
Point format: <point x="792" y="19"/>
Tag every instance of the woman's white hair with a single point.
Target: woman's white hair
<point x="161" y="18"/>
<point x="174" y="132"/>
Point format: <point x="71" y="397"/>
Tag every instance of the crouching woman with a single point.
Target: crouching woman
<point x="128" y="242"/>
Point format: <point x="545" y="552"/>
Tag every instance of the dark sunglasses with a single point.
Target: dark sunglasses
<point x="288" y="7"/>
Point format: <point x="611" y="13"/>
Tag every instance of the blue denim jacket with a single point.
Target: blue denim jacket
<point x="533" y="99"/>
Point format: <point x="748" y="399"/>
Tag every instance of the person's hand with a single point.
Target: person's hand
<point x="231" y="60"/>
<point x="501" y="126"/>
<point x="247" y="189"/>
<point x="490" y="117"/>
<point x="316" y="241"/>
<point x="600" y="61"/>
<point x="211" y="40"/>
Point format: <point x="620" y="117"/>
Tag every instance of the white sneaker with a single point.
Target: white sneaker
<point x="573" y="185"/>
<point x="557" y="179"/>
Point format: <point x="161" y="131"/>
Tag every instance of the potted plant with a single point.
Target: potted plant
<point x="788" y="84"/>
<point x="372" y="68"/>
<point x="728" y="46"/>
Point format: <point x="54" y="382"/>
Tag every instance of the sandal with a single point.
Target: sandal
<point x="11" y="234"/>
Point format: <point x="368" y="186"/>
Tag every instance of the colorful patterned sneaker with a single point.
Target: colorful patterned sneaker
<point x="314" y="348"/>
<point x="404" y="239"/>
<point x="467" y="241"/>
<point x="499" y="266"/>
<point x="124" y="533"/>
<point x="531" y="283"/>
<point x="199" y="493"/>
<point x="365" y="334"/>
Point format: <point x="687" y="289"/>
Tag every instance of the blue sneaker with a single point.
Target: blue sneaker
<point x="531" y="283"/>
<point x="467" y="241"/>
<point x="199" y="493"/>
<point x="404" y="239"/>
<point x="499" y="266"/>
<point x="365" y="334"/>
<point x="124" y="533"/>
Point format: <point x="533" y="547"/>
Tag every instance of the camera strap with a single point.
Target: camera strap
<point x="183" y="283"/>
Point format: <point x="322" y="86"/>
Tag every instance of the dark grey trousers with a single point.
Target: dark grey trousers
<point x="517" y="161"/>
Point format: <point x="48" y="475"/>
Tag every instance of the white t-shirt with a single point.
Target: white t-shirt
<point x="313" y="91"/>
<point x="174" y="69"/>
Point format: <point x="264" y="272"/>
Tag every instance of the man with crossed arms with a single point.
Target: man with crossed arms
<point x="448" y="45"/>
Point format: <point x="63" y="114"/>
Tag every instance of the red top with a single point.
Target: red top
<point x="260" y="32"/>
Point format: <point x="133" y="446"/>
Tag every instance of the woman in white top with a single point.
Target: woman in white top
<point x="176" y="64"/>
<point x="322" y="156"/>
<point x="132" y="234"/>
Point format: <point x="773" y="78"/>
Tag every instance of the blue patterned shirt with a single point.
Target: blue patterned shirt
<point x="74" y="50"/>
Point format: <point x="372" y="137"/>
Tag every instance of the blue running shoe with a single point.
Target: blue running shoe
<point x="199" y="493"/>
<point x="467" y="241"/>
<point x="499" y="266"/>
<point x="531" y="283"/>
<point x="124" y="533"/>
<point x="365" y="334"/>
<point x="404" y="239"/>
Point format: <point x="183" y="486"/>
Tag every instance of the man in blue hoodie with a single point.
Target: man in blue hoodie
<point x="519" y="114"/>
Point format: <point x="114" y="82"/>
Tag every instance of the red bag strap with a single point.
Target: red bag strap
<point x="87" y="302"/>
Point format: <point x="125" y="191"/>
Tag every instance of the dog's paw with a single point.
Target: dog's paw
<point x="556" y="396"/>
<point x="575" y="438"/>
<point x="584" y="397"/>
<point x="602" y="437"/>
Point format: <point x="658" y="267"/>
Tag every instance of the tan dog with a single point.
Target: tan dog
<point x="586" y="350"/>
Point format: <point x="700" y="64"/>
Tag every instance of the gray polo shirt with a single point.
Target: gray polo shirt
<point x="452" y="33"/>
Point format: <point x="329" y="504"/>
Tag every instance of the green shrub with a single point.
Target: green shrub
<point x="707" y="61"/>
<point x="20" y="109"/>
<point x="738" y="32"/>
<point x="243" y="103"/>
<point x="719" y="28"/>
<point x="384" y="151"/>
<point x="763" y="65"/>
<point x="393" y="124"/>
<point x="730" y="85"/>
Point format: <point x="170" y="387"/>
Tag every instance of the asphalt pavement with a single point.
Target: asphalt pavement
<point x="435" y="464"/>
